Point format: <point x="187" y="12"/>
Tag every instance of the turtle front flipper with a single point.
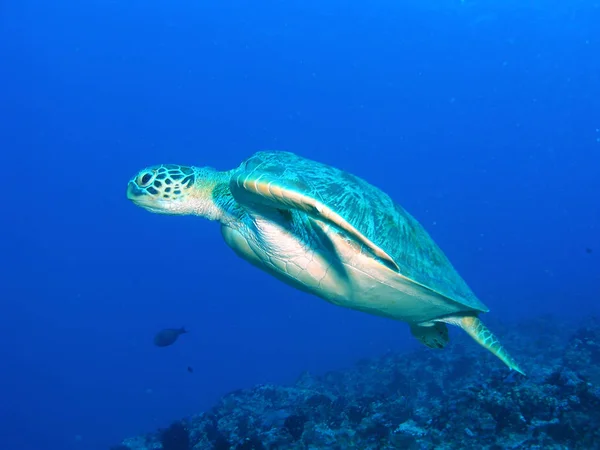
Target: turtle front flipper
<point x="285" y="181"/>
<point x="484" y="337"/>
<point x="433" y="336"/>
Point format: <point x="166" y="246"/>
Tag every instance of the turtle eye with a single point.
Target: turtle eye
<point x="145" y="178"/>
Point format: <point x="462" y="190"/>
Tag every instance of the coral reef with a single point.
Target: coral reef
<point x="457" y="398"/>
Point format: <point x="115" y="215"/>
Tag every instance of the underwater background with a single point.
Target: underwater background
<point x="481" y="118"/>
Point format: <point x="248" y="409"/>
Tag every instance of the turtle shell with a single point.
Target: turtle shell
<point x="285" y="180"/>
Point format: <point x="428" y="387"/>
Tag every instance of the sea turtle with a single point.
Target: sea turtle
<point x="329" y="233"/>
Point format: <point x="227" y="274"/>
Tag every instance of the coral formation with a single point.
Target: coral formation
<point x="176" y="437"/>
<point x="457" y="398"/>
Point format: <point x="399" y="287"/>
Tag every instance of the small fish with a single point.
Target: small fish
<point x="190" y="369"/>
<point x="168" y="336"/>
<point x="588" y="250"/>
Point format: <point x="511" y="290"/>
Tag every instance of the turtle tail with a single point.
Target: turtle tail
<point x="484" y="337"/>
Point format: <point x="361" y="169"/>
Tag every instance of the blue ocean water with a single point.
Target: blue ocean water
<point x="482" y="118"/>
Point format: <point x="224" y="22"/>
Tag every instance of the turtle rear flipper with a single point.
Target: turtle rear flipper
<point x="433" y="336"/>
<point x="484" y="337"/>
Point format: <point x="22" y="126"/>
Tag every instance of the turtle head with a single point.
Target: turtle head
<point x="176" y="190"/>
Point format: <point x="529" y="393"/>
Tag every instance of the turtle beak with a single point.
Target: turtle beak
<point x="141" y="198"/>
<point x="134" y="193"/>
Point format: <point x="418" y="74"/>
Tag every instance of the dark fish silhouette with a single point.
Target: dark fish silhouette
<point x="168" y="336"/>
<point x="190" y="369"/>
<point x="588" y="250"/>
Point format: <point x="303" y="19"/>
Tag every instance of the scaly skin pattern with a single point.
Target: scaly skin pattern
<point x="176" y="190"/>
